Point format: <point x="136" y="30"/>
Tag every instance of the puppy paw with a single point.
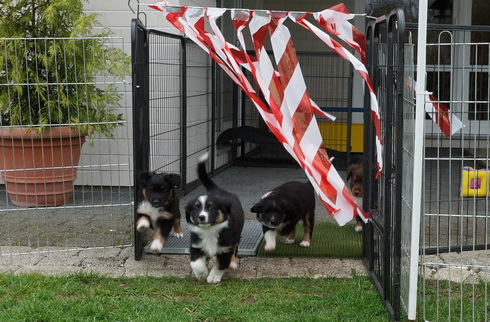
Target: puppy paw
<point x="178" y="235"/>
<point x="358" y="228"/>
<point x="156" y="246"/>
<point x="288" y="241"/>
<point x="233" y="266"/>
<point x="270" y="240"/>
<point x="200" y="276"/>
<point x="143" y="224"/>
<point x="199" y="269"/>
<point x="215" y="276"/>
<point x="213" y="279"/>
<point x="270" y="247"/>
<point x="304" y="243"/>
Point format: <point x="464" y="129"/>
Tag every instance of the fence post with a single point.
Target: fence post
<point x="141" y="134"/>
<point x="418" y="158"/>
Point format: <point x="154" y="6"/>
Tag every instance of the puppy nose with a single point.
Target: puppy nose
<point x="272" y="221"/>
<point x="201" y="217"/>
<point x="357" y="192"/>
<point x="155" y="202"/>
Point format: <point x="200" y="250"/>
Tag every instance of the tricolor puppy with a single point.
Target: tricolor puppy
<point x="354" y="175"/>
<point x="216" y="221"/>
<point x="281" y="209"/>
<point x="159" y="208"/>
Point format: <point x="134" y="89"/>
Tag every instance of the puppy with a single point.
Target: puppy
<point x="282" y="208"/>
<point x="216" y="221"/>
<point x="354" y="175"/>
<point x="159" y="208"/>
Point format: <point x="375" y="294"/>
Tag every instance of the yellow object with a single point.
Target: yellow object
<point x="475" y="182"/>
<point x="335" y="136"/>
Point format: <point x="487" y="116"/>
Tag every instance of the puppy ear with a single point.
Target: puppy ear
<point x="144" y="176"/>
<point x="255" y="209"/>
<point x="174" y="179"/>
<point x="188" y="210"/>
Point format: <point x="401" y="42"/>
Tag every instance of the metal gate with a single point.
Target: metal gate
<point x="382" y="196"/>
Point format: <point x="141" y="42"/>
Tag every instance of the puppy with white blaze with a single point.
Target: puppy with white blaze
<point x="282" y="208"/>
<point x="215" y="221"/>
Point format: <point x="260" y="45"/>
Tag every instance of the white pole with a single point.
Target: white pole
<point x="418" y="167"/>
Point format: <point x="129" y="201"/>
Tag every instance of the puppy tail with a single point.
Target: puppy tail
<point x="203" y="174"/>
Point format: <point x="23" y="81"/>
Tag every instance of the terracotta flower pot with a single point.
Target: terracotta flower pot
<point x="39" y="170"/>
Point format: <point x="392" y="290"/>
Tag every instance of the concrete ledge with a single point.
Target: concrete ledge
<point x="120" y="262"/>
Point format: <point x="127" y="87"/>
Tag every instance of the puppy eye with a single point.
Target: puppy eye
<point x="211" y="208"/>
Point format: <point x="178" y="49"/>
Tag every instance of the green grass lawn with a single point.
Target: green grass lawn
<point x="84" y="297"/>
<point x="449" y="301"/>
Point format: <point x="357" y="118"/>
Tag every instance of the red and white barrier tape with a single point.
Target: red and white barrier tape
<point x="287" y="110"/>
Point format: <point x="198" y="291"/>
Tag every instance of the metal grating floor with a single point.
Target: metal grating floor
<point x="251" y="238"/>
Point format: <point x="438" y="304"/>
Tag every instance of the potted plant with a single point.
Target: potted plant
<point x="50" y="59"/>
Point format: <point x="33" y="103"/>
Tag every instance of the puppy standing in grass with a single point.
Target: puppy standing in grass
<point x="159" y="208"/>
<point x="216" y="221"/>
<point x="281" y="209"/>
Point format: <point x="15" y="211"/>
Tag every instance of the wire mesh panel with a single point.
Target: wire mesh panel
<point x="179" y="104"/>
<point x="165" y="101"/>
<point x="455" y="239"/>
<point x="200" y="118"/>
<point x="64" y="146"/>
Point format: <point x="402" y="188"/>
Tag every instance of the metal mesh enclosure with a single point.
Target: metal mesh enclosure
<point x="455" y="239"/>
<point x="63" y="86"/>
<point x="185" y="105"/>
<point x="453" y="257"/>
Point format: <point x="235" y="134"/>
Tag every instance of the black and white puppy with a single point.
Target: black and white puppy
<point x="216" y="221"/>
<point x="282" y="208"/>
<point x="355" y="174"/>
<point x="159" y="208"/>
